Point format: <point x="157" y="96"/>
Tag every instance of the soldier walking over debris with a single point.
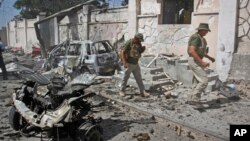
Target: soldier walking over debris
<point x="197" y="50"/>
<point x="2" y="65"/>
<point x="130" y="54"/>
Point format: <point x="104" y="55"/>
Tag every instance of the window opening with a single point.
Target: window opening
<point x="177" y="11"/>
<point x="102" y="48"/>
<point x="74" y="49"/>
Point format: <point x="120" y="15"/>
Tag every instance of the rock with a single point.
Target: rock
<point x="167" y="94"/>
<point x="151" y="131"/>
<point x="190" y="136"/>
<point x="142" y="136"/>
<point x="152" y="117"/>
<point x="179" y="83"/>
<point x="127" y="97"/>
<point x="126" y="129"/>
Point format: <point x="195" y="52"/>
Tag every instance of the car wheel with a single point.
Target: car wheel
<point x="14" y="118"/>
<point x="89" y="132"/>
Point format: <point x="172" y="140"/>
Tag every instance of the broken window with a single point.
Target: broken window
<point x="74" y="49"/>
<point x="102" y="47"/>
<point x="177" y="11"/>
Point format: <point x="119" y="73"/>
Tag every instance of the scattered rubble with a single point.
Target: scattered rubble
<point x="167" y="101"/>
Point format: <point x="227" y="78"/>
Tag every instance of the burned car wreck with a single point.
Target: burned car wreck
<point x="50" y="105"/>
<point x="77" y="57"/>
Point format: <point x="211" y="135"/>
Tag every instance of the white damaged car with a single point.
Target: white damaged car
<point x="76" y="57"/>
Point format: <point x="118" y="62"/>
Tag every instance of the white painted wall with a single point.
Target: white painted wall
<point x="226" y="37"/>
<point x="22" y="34"/>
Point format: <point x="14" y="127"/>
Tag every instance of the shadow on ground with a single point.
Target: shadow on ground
<point x="217" y="103"/>
<point x="120" y="126"/>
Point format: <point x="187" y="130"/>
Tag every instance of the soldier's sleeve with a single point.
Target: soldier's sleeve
<point x="194" y="41"/>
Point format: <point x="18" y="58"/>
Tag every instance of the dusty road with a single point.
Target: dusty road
<point x="119" y="123"/>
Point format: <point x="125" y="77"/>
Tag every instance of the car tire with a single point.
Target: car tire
<point x="89" y="132"/>
<point x="14" y="118"/>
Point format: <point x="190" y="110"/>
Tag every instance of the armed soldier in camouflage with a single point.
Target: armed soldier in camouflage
<point x="130" y="55"/>
<point x="197" y="50"/>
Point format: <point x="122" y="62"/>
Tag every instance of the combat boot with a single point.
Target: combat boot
<point x="145" y="94"/>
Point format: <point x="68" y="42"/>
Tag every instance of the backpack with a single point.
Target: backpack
<point x="123" y="55"/>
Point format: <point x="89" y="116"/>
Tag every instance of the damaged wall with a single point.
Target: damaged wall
<point x="21" y="33"/>
<point x="173" y="38"/>
<point x="70" y="27"/>
<point x="146" y="16"/>
<point x="105" y="24"/>
<point x="109" y="25"/>
<point x="240" y="68"/>
<point x="161" y="38"/>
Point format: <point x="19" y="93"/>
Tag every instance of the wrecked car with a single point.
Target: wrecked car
<point x="48" y="105"/>
<point x="76" y="57"/>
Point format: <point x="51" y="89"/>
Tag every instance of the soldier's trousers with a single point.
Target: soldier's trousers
<point x="2" y="66"/>
<point x="200" y="79"/>
<point x="136" y="70"/>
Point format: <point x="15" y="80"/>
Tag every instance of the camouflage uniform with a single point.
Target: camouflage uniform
<point x="200" y="79"/>
<point x="134" y="53"/>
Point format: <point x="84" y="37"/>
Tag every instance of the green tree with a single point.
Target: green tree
<point x="124" y="2"/>
<point x="31" y="8"/>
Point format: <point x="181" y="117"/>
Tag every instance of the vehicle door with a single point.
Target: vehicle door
<point x="73" y="57"/>
<point x="56" y="55"/>
<point x="105" y="53"/>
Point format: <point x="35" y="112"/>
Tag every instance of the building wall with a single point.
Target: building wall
<point x="240" y="68"/>
<point x="21" y="33"/>
<point x="173" y="38"/>
<point x="11" y="33"/>
<point x="244" y="27"/>
<point x="72" y="27"/>
<point x="109" y="25"/>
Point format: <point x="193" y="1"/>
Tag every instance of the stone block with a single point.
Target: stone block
<point x="210" y="87"/>
<point x="184" y="75"/>
<point x="151" y="71"/>
<point x="212" y="76"/>
<point x="184" y="66"/>
<point x="240" y="67"/>
<point x="158" y="77"/>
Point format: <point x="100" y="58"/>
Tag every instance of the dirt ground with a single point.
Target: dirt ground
<point x="119" y="123"/>
<point x="215" y="117"/>
<point x="123" y="124"/>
